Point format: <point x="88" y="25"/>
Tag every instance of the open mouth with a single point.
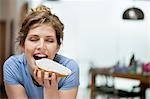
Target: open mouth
<point x="39" y="56"/>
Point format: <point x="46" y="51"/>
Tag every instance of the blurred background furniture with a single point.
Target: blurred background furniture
<point x="110" y="90"/>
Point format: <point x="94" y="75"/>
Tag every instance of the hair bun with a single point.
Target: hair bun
<point x="42" y="8"/>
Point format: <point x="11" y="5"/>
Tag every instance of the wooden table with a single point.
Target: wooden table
<point x="144" y="80"/>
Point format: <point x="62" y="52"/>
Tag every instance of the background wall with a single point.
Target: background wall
<point x="95" y="30"/>
<point x="10" y="13"/>
<point x="96" y="34"/>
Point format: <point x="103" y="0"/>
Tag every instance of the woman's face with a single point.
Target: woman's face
<point x="40" y="43"/>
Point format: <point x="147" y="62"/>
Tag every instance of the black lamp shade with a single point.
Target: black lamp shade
<point x="133" y="14"/>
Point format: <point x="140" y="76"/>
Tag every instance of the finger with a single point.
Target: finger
<point x="39" y="74"/>
<point x="39" y="77"/>
<point x="35" y="73"/>
<point x="53" y="79"/>
<point x="35" y="79"/>
<point x="46" y="79"/>
<point x="42" y="74"/>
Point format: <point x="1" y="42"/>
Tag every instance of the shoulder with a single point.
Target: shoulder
<point x="14" y="62"/>
<point x="13" y="68"/>
<point x="15" y="59"/>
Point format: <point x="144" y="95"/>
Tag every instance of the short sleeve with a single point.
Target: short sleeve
<point x="72" y="80"/>
<point x="11" y="71"/>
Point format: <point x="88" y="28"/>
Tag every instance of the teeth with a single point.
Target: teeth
<point x="40" y="55"/>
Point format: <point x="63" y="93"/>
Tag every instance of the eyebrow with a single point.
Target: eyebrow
<point x="50" y="36"/>
<point x="38" y="36"/>
<point x="32" y="35"/>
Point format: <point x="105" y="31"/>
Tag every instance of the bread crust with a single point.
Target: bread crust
<point x="50" y="73"/>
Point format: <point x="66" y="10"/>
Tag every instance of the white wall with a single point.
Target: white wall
<point x="95" y="30"/>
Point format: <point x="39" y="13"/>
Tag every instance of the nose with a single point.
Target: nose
<point x="41" y="45"/>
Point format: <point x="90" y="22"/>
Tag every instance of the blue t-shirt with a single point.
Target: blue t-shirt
<point x="16" y="71"/>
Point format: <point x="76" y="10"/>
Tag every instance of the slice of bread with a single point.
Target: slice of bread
<point x="53" y="67"/>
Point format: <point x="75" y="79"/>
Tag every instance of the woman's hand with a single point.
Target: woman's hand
<point x="39" y="76"/>
<point x="51" y="86"/>
<point x="49" y="82"/>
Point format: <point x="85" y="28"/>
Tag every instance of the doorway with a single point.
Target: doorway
<point x="2" y="48"/>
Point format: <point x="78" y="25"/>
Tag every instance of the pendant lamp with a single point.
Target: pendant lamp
<point x="133" y="13"/>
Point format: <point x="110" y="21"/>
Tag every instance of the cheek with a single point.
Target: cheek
<point x="28" y="48"/>
<point x="52" y="51"/>
<point x="52" y="47"/>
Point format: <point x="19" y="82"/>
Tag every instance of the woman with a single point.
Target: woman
<point x="40" y="36"/>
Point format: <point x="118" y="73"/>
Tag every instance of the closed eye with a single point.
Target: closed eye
<point x="33" y="39"/>
<point x="51" y="40"/>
